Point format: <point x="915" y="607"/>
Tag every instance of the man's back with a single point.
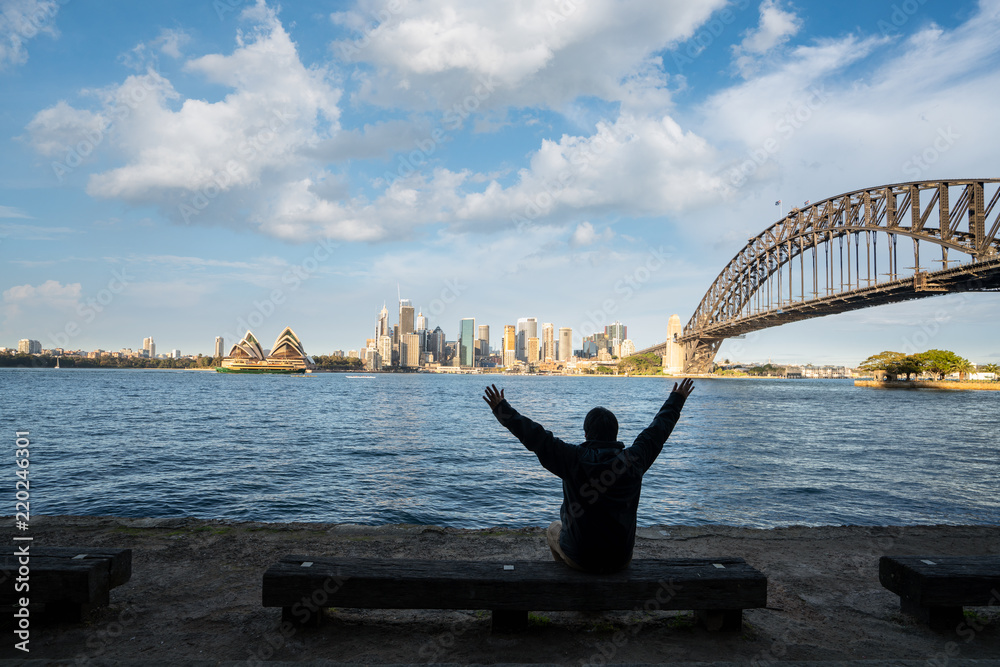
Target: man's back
<point x="602" y="481"/>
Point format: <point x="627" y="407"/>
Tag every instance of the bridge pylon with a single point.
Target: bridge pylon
<point x="699" y="353"/>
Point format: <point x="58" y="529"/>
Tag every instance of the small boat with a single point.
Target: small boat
<point x="360" y="377"/>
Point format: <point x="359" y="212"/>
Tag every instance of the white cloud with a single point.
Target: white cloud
<point x="11" y="212"/>
<point x="49" y="293"/>
<point x="435" y="54"/>
<point x="585" y="234"/>
<point x="20" y="22"/>
<point x="776" y="27"/>
<point x="33" y="232"/>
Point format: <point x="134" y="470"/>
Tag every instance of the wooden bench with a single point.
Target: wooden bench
<point x="935" y="588"/>
<point x="65" y="583"/>
<point x="717" y="589"/>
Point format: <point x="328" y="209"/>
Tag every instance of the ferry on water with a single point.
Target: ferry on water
<point x="287" y="356"/>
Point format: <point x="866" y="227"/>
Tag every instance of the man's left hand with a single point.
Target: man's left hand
<point x="493" y="396"/>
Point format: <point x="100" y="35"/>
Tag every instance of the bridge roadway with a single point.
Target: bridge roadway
<point x="981" y="276"/>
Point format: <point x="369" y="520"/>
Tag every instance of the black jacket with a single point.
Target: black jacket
<point x="601" y="483"/>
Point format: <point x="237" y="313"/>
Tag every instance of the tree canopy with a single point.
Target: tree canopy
<point x="938" y="362"/>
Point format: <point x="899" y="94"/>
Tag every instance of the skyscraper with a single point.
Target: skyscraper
<point x="532" y="351"/>
<point x="405" y="317"/>
<point x="149" y="347"/>
<point x="565" y="343"/>
<point x="527" y="327"/>
<point x="383" y="323"/>
<point x="616" y="330"/>
<point x="29" y="346"/>
<point x="467" y="342"/>
<point x="509" y="346"/>
<point x="484" y="340"/>
<point x="384" y="348"/>
<point x="673" y="360"/>
<point x="409" y="350"/>
<point x="421" y="322"/>
<point x="548" y="342"/>
<point x="220" y="346"/>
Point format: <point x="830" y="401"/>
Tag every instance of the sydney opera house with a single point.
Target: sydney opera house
<point x="286" y="356"/>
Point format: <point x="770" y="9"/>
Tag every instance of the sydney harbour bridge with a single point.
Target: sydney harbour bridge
<point x="864" y="248"/>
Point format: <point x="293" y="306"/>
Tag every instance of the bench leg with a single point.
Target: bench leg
<point x="721" y="620"/>
<point x="303" y="618"/>
<point x="505" y="620"/>
<point x="940" y="619"/>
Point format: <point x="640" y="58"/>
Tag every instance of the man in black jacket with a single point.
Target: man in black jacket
<point x="601" y="478"/>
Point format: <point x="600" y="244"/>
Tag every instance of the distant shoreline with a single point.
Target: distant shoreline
<point x="966" y="385"/>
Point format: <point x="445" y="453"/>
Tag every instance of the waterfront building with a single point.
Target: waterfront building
<point x="176" y="354"/>
<point x="409" y="350"/>
<point x="436" y="344"/>
<point x="467" y="342"/>
<point x="616" y="330"/>
<point x="220" y="346"/>
<point x="382" y="329"/>
<point x="484" y="340"/>
<point x="508" y="347"/>
<point x="352" y="354"/>
<point x="29" y="346"/>
<point x="247" y="356"/>
<point x="565" y="343"/>
<point x="385" y="349"/>
<point x="532" y="352"/>
<point x="405" y="317"/>
<point x="627" y="348"/>
<point x="527" y="327"/>
<point x="548" y="342"/>
<point x="673" y="360"/>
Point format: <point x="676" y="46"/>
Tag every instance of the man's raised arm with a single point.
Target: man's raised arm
<point x="649" y="443"/>
<point x="552" y="453"/>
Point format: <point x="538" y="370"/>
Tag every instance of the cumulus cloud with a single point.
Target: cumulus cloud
<point x="776" y="27"/>
<point x="537" y="53"/>
<point x="20" y="22"/>
<point x="585" y="234"/>
<point x="49" y="293"/>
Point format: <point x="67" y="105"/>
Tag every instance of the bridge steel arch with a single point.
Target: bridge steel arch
<point x="841" y="254"/>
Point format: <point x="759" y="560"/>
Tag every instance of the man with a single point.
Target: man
<point x="601" y="478"/>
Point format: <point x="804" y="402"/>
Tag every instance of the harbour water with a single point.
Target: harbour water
<point x="425" y="449"/>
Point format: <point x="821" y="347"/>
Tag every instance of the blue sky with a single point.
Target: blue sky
<point x="179" y="169"/>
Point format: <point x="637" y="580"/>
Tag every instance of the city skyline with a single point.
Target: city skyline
<point x="589" y="163"/>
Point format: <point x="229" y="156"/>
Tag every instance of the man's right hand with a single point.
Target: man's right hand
<point x="493" y="397"/>
<point x="685" y="387"/>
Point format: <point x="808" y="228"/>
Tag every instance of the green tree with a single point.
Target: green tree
<point x="991" y="368"/>
<point x="884" y="361"/>
<point x="942" y="362"/>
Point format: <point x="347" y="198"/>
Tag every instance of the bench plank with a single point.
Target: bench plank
<point x="65" y="585"/>
<point x="934" y="589"/>
<point x="714" y="585"/>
